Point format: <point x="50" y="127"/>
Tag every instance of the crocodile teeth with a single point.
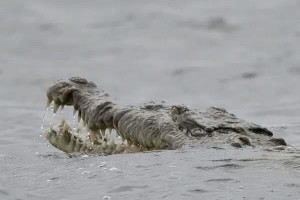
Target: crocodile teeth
<point x="103" y="133"/>
<point x="83" y="116"/>
<point x="118" y="134"/>
<point x="79" y="116"/>
<point x="83" y="119"/>
<point x="98" y="135"/>
<point x="110" y="130"/>
<point x="123" y="139"/>
<point x="74" y="112"/>
<point x="65" y="127"/>
<point x="49" y="101"/>
<point x="63" y="120"/>
<point x="93" y="134"/>
<point x="55" y="107"/>
<point x="86" y="119"/>
<point x="90" y="123"/>
<point x="174" y="110"/>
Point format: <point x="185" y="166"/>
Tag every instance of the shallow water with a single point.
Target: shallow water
<point x="240" y="55"/>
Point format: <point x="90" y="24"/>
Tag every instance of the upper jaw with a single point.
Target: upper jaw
<point x="61" y="92"/>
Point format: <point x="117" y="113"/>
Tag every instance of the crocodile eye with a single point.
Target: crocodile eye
<point x="174" y="110"/>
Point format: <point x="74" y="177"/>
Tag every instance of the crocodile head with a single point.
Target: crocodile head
<point x="145" y="127"/>
<point x="139" y="127"/>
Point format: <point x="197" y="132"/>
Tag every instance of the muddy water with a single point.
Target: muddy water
<point x="240" y="55"/>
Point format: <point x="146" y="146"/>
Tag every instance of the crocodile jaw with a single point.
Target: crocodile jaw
<point x="71" y="141"/>
<point x="143" y="130"/>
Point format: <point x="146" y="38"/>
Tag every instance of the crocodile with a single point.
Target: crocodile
<point x="145" y="127"/>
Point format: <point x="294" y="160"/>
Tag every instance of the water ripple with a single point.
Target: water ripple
<point x="127" y="188"/>
<point x="225" y="166"/>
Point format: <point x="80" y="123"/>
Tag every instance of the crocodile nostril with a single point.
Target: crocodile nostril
<point x="209" y="129"/>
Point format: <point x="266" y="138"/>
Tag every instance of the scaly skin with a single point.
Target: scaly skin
<point x="150" y="126"/>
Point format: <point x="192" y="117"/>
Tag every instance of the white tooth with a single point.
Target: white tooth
<point x="118" y="133"/>
<point x="93" y="135"/>
<point x="109" y="130"/>
<point x="65" y="127"/>
<point x="98" y="135"/>
<point x="90" y="123"/>
<point x="174" y="110"/>
<point x="62" y="107"/>
<point x="80" y="125"/>
<point x="74" y="112"/>
<point x="83" y="122"/>
<point x="103" y="132"/>
<point x="49" y="101"/>
<point x="79" y="116"/>
<point x="62" y="121"/>
<point x="86" y="119"/>
<point x="55" y="107"/>
<point x="83" y="116"/>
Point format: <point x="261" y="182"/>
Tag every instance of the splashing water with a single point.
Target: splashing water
<point x="62" y="113"/>
<point x="50" y="123"/>
<point x="75" y="123"/>
<point x="43" y="120"/>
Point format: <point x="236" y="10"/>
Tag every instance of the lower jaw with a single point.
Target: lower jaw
<point x="70" y="141"/>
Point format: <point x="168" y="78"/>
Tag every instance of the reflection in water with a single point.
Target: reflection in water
<point x="43" y="120"/>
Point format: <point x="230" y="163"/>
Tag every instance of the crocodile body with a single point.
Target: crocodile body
<point x="151" y="126"/>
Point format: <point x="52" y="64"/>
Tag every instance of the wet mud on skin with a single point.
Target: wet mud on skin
<point x="201" y="54"/>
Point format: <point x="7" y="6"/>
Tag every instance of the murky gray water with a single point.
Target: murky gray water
<point x="240" y="55"/>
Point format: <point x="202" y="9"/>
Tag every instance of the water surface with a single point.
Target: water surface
<point x="240" y="55"/>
